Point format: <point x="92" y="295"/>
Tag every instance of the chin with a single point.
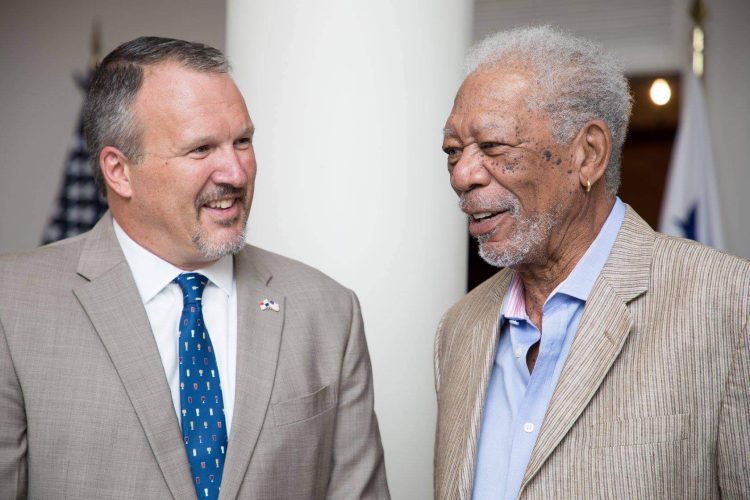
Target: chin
<point x="213" y="247"/>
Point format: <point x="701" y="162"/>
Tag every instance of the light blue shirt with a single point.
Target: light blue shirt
<point x="517" y="401"/>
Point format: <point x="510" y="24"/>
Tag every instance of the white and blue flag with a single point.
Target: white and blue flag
<point x="691" y="206"/>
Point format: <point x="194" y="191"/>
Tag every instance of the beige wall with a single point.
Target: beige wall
<point x="728" y="101"/>
<point x="42" y="42"/>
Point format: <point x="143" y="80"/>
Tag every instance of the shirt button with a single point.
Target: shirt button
<point x="519" y="352"/>
<point x="528" y="427"/>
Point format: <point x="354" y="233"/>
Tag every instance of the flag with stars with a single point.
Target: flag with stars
<point x="78" y="205"/>
<point x="691" y="206"/>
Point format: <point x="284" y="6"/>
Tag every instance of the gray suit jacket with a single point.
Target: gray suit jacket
<point x="654" y="398"/>
<point x="86" y="408"/>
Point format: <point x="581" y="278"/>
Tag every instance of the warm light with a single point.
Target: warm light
<point x="660" y="92"/>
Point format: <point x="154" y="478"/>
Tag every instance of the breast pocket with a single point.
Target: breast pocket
<point x="304" y="407"/>
<point x="637" y="458"/>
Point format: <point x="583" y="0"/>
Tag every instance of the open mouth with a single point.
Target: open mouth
<point x="483" y="215"/>
<point x="224" y="209"/>
<point x="484" y="222"/>
<point x="221" y="204"/>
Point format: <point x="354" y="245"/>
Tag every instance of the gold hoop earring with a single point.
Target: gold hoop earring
<point x="588" y="185"/>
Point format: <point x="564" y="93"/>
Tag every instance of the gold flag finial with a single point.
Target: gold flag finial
<point x="699" y="13"/>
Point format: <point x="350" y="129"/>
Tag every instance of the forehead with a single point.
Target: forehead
<point x="171" y="91"/>
<point x="492" y="90"/>
<point x="494" y="98"/>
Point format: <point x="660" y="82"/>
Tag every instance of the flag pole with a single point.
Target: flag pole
<point x="96" y="45"/>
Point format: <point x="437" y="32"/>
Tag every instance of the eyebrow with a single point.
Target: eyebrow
<point x="492" y="125"/>
<point x="247" y="131"/>
<point x="450" y="132"/>
<point x="207" y="139"/>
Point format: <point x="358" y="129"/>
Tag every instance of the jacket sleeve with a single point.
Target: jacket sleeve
<point x="734" y="424"/>
<point x="12" y="426"/>
<point x="358" y="469"/>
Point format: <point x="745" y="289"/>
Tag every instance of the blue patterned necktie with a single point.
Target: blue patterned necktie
<point x="202" y="406"/>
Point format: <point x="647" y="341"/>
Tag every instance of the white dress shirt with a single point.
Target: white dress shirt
<point x="163" y="302"/>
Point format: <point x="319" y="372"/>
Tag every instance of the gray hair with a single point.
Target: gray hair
<point x="577" y="81"/>
<point x="108" y="118"/>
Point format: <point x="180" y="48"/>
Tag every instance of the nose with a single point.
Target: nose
<point x="469" y="172"/>
<point x="233" y="167"/>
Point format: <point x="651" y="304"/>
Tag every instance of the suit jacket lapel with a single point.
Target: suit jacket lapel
<point x="112" y="303"/>
<point x="604" y="327"/>
<point x="475" y="340"/>
<point x="258" y="344"/>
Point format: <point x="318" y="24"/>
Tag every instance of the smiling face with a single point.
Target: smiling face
<point x="189" y="198"/>
<point x="514" y="182"/>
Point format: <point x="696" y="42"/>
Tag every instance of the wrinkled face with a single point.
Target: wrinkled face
<point x="192" y="191"/>
<point x="513" y="180"/>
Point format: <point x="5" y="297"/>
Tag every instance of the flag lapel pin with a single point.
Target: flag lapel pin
<point x="268" y="304"/>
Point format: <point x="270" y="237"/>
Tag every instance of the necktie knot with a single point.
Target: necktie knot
<point x="192" y="285"/>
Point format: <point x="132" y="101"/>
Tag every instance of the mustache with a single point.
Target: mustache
<point x="219" y="192"/>
<point x="479" y="203"/>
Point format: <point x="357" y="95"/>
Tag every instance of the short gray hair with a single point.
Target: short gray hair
<point x="577" y="80"/>
<point x="108" y="118"/>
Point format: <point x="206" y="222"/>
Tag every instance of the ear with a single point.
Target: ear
<point x="116" y="171"/>
<point x="593" y="149"/>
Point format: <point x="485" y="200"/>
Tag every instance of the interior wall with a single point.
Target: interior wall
<point x="728" y="101"/>
<point x="42" y="43"/>
<point x="652" y="36"/>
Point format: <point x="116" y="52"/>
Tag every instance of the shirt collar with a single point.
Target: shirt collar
<point x="152" y="273"/>
<point x="581" y="280"/>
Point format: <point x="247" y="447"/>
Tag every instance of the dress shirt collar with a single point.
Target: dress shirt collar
<point x="581" y="280"/>
<point x="152" y="273"/>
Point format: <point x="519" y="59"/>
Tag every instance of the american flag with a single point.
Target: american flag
<point x="79" y="205"/>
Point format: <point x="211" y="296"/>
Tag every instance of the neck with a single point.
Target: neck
<point x="569" y="242"/>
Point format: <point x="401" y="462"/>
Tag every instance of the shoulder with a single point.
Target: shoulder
<point x="38" y="281"/>
<point x="491" y="290"/>
<point x="698" y="266"/>
<point x="480" y="305"/>
<point x="45" y="263"/>
<point x="290" y="276"/>
<point x="698" y="287"/>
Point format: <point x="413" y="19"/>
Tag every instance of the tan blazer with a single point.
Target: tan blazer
<point x="654" y="398"/>
<point x="86" y="410"/>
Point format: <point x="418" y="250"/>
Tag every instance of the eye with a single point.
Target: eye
<point x="453" y="153"/>
<point x="492" y="148"/>
<point x="200" y="151"/>
<point x="243" y="143"/>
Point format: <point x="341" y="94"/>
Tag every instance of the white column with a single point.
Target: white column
<point x="349" y="99"/>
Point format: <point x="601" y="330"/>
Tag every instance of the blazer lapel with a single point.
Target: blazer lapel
<point x="604" y="327"/>
<point x="258" y="344"/>
<point x="463" y="401"/>
<point x="112" y="303"/>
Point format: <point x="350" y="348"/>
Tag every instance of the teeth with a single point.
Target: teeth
<point x="483" y="215"/>
<point x="220" y="204"/>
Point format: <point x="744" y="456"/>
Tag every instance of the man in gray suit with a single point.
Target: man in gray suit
<point x="158" y="356"/>
<point x="605" y="360"/>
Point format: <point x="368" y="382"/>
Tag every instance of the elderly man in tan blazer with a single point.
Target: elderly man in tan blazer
<point x="158" y="356"/>
<point x="605" y="360"/>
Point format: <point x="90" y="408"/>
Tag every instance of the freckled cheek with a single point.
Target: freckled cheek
<point x="506" y="165"/>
